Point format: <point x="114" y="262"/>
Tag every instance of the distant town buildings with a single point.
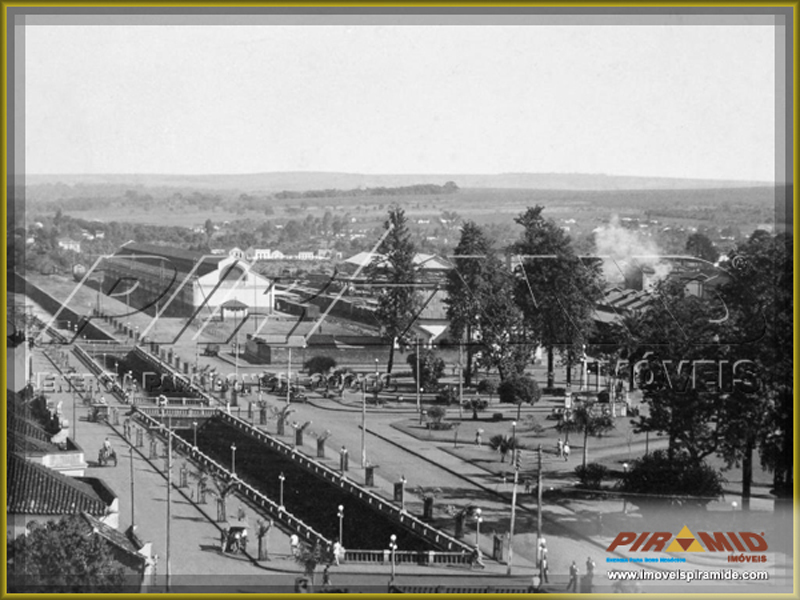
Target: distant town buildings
<point x="69" y="244"/>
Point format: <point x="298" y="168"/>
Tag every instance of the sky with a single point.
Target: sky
<point x="672" y="101"/>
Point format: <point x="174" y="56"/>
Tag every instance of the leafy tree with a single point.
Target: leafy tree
<point x="62" y="557"/>
<point x="677" y="480"/>
<point x="436" y="414"/>
<point x="699" y="245"/>
<point x="262" y="533"/>
<point x="310" y="557"/>
<point x="505" y="342"/>
<point x="519" y="390"/>
<point x="469" y="286"/>
<point x="679" y="338"/>
<point x="209" y="230"/>
<point x="488" y="386"/>
<point x="431" y="368"/>
<point x="320" y="364"/>
<point x="222" y="488"/>
<point x="759" y="298"/>
<point x="556" y="290"/>
<point x="475" y="405"/>
<point x="587" y="419"/>
<point x="397" y="302"/>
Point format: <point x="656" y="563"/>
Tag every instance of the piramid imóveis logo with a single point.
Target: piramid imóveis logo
<point x="686" y="541"/>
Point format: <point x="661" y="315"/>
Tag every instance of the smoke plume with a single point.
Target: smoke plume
<point x="628" y="256"/>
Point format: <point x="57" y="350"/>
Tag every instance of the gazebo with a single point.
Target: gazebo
<point x="235" y="309"/>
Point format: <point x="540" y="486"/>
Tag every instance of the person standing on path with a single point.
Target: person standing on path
<point x="573" y="577"/>
<point x="295" y="543"/>
<point x="587" y="587"/>
<point x="544" y="569"/>
<point x="566" y="452"/>
<point x="560" y="448"/>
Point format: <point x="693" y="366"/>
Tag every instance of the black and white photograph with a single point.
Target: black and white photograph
<point x="399" y="299"/>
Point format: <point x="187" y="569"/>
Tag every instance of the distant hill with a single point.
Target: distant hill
<point x="301" y="181"/>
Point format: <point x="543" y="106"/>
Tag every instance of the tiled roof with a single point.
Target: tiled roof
<point x="25" y="434"/>
<point x="165" y="251"/>
<point x="37" y="490"/>
<point x="113" y="536"/>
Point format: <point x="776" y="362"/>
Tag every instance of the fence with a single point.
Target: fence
<point x="243" y="489"/>
<point x="434" y="536"/>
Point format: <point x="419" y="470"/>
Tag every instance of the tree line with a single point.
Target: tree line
<point x="684" y="345"/>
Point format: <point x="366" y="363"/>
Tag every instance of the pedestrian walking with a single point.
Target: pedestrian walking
<point x="560" y="448"/>
<point x="326" y="576"/>
<point x="544" y="570"/>
<point x="527" y="486"/>
<point x="337" y="552"/>
<point x="566" y="451"/>
<point x="573" y="577"/>
<point x="478" y="438"/>
<point x="294" y="540"/>
<point x="589" y="566"/>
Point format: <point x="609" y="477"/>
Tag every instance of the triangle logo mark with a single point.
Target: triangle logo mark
<point x="685" y="542"/>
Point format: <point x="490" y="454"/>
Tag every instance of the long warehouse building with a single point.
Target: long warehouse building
<point x="146" y="276"/>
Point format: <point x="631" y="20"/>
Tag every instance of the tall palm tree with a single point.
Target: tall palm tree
<point x="504" y="444"/>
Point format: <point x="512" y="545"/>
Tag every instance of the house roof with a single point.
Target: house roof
<point x="180" y="259"/>
<point x="36" y="490"/>
<point x="25" y="433"/>
<point x="425" y="262"/>
<point x="113" y="536"/>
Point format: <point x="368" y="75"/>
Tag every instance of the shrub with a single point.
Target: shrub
<point x="320" y="364"/>
<point x="431" y="368"/>
<point x="447" y="396"/>
<point x="529" y="423"/>
<point x="488" y="386"/>
<point x="592" y="475"/>
<point x="497" y="416"/>
<point x="685" y="481"/>
<point x="554" y="391"/>
<point x="436" y="416"/>
<point x="437" y="413"/>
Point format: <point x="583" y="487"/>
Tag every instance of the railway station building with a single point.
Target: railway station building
<point x="180" y="282"/>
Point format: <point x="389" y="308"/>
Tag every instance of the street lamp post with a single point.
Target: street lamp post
<point x="364" y="423"/>
<point x="393" y="548"/>
<point x="194" y="428"/>
<point x="377" y="377"/>
<point x="478" y="520"/>
<point x="233" y="459"/>
<point x="625" y="498"/>
<point x="281" y="478"/>
<point x="419" y="388"/>
<point x="289" y="379"/>
<point x="340" y="514"/>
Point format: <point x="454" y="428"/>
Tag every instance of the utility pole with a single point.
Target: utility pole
<point x="460" y="376"/>
<point x="289" y="379"/>
<point x="169" y="492"/>
<point x="133" y="491"/>
<point x="418" y="382"/>
<point x="513" y="511"/>
<point x="539" y="499"/>
<point x="363" y="423"/>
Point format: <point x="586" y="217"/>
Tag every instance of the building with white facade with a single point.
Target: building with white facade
<point x="182" y="283"/>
